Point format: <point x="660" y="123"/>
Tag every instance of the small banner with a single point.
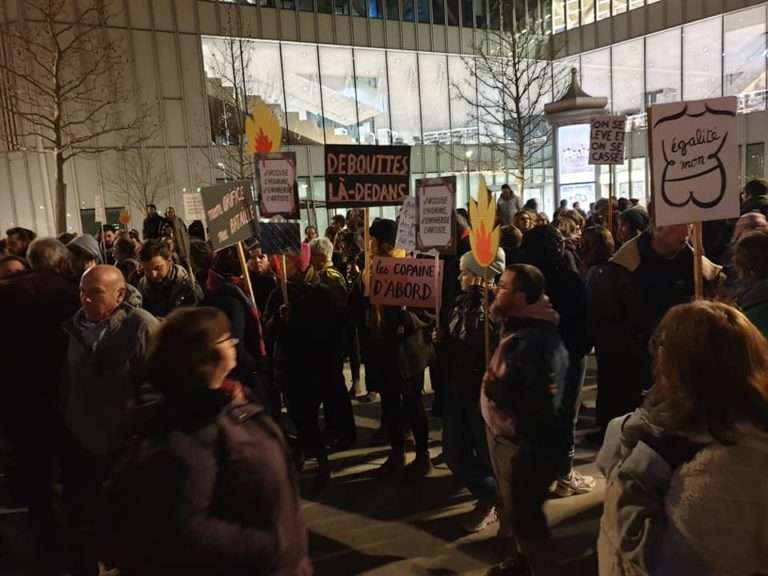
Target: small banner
<point x="366" y="175"/>
<point x="193" y="207"/>
<point x="406" y="282"/>
<point x="606" y="140"/>
<point x="278" y="191"/>
<point x="100" y="215"/>
<point x="280" y="237"/>
<point x="435" y="214"/>
<point x="694" y="161"/>
<point x="406" y="225"/>
<point x="231" y="213"/>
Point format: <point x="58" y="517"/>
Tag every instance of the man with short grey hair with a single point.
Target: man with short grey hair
<point x="33" y="306"/>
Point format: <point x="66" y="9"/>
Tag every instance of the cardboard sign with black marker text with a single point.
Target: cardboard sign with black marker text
<point x="606" y="139"/>
<point x="435" y="214"/>
<point x="406" y="225"/>
<point x="406" y="282"/>
<point x="694" y="161"/>
<point x="231" y="213"/>
<point x="278" y="190"/>
<point x="366" y="175"/>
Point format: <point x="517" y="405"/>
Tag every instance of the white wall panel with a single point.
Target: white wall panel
<point x="174" y="123"/>
<point x="163" y="10"/>
<point x="138" y="11"/>
<point x="169" y="71"/>
<point x="185" y="15"/>
<point x="194" y="91"/>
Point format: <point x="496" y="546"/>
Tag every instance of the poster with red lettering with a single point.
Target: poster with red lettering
<point x="357" y="176"/>
<point x="406" y="282"/>
<point x="694" y="161"/>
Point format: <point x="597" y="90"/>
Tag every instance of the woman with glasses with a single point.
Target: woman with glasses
<point x="212" y="490"/>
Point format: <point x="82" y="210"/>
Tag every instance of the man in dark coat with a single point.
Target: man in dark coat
<point x="33" y="305"/>
<point x="165" y="285"/>
<point x="649" y="275"/>
<point x="153" y="224"/>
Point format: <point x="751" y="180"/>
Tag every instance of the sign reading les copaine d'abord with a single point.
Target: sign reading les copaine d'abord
<point x="231" y="213"/>
<point x="406" y="282"/>
<point x="366" y="175"/>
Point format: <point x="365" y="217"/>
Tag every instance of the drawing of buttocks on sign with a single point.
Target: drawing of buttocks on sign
<point x="694" y="161"/>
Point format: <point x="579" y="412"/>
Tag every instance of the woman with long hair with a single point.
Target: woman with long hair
<point x="212" y="490"/>
<point x="597" y="248"/>
<point x="686" y="473"/>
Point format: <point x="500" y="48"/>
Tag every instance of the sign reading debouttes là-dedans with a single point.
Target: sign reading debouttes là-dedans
<point x="366" y="175"/>
<point x="278" y="192"/>
<point x="435" y="215"/>
<point x="231" y="213"/>
<point x="694" y="161"/>
<point x="405" y="282"/>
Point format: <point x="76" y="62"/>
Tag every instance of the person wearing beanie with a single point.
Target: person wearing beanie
<point x="632" y="222"/>
<point x="304" y="356"/>
<point x="464" y="440"/>
<point x="84" y="254"/>
<point x="400" y="349"/>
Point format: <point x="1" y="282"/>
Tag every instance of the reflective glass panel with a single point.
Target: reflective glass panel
<point x="404" y="88"/>
<point x="463" y="97"/>
<point x="558" y="15"/>
<point x="587" y="11"/>
<point x="302" y="94"/>
<point x="603" y="9"/>
<point x="596" y="73"/>
<point x="572" y="13"/>
<point x="745" y="52"/>
<point x="433" y="74"/>
<point x="339" y="107"/>
<point x="702" y="59"/>
<point x="662" y="67"/>
<point x="628" y="77"/>
<point x="619" y="6"/>
<point x="372" y="96"/>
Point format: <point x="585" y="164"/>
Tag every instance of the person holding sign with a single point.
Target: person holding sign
<point x="463" y="353"/>
<point x="649" y="275"/>
<point x="399" y="350"/>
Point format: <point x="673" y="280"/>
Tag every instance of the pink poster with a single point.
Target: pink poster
<point x="413" y="282"/>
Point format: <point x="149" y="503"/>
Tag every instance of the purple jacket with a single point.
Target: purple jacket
<point x="221" y="500"/>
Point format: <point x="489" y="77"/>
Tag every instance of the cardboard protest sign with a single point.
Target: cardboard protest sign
<point x="278" y="191"/>
<point x="606" y="140"/>
<point x="231" y="213"/>
<point x="406" y="225"/>
<point x="694" y="161"/>
<point x="193" y="207"/>
<point x="98" y="205"/>
<point x="405" y="282"/>
<point x="435" y="215"/>
<point x="262" y="130"/>
<point x="280" y="237"/>
<point x="366" y="175"/>
<point x="485" y="236"/>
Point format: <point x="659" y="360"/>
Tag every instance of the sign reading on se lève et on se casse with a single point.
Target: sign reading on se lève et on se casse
<point x="231" y="213"/>
<point x="366" y="175"/>
<point x="606" y="139"/>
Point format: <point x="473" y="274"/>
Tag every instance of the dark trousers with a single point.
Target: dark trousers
<point x="340" y="418"/>
<point x="84" y="476"/>
<point x="402" y="403"/>
<point x="569" y="411"/>
<point x="304" y="397"/>
<point x="523" y="476"/>
<point x="352" y="350"/>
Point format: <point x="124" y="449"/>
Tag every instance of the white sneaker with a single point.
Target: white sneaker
<point x="574" y="484"/>
<point x="482" y="516"/>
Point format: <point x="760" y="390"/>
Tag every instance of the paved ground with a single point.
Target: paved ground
<point x="361" y="525"/>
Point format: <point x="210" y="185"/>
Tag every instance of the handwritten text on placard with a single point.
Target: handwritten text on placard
<point x="405" y="282"/>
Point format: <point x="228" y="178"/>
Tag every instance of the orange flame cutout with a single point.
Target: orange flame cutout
<point x="484" y="237"/>
<point x="262" y="130"/>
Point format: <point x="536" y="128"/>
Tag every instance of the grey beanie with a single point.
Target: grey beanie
<point x="469" y="263"/>
<point x="89" y="244"/>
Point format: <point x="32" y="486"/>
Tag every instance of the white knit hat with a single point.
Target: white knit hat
<point x="469" y="263"/>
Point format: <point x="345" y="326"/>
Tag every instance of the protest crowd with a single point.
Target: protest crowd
<point x="158" y="401"/>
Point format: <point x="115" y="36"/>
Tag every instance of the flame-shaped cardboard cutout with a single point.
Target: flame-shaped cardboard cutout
<point x="484" y="237"/>
<point x="262" y="130"/>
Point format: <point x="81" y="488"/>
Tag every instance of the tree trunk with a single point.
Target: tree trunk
<point x="61" y="195"/>
<point x="520" y="176"/>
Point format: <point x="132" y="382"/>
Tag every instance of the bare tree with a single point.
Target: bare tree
<point x="139" y="179"/>
<point x="68" y="90"/>
<point x="512" y="80"/>
<point x="228" y="61"/>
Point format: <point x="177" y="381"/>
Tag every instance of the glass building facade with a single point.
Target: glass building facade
<point x="570" y="14"/>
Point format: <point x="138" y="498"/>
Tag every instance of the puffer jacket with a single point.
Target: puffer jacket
<point x="679" y="505"/>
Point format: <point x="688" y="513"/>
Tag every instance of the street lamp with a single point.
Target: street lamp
<point x="467" y="158"/>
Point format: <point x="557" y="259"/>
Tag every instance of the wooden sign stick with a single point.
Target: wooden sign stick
<point x="438" y="291"/>
<point x="698" y="261"/>
<point x="246" y="274"/>
<point x="284" y="280"/>
<point x="486" y="323"/>
<point x="367" y="254"/>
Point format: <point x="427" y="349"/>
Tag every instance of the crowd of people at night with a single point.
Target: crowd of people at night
<point x="155" y="416"/>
